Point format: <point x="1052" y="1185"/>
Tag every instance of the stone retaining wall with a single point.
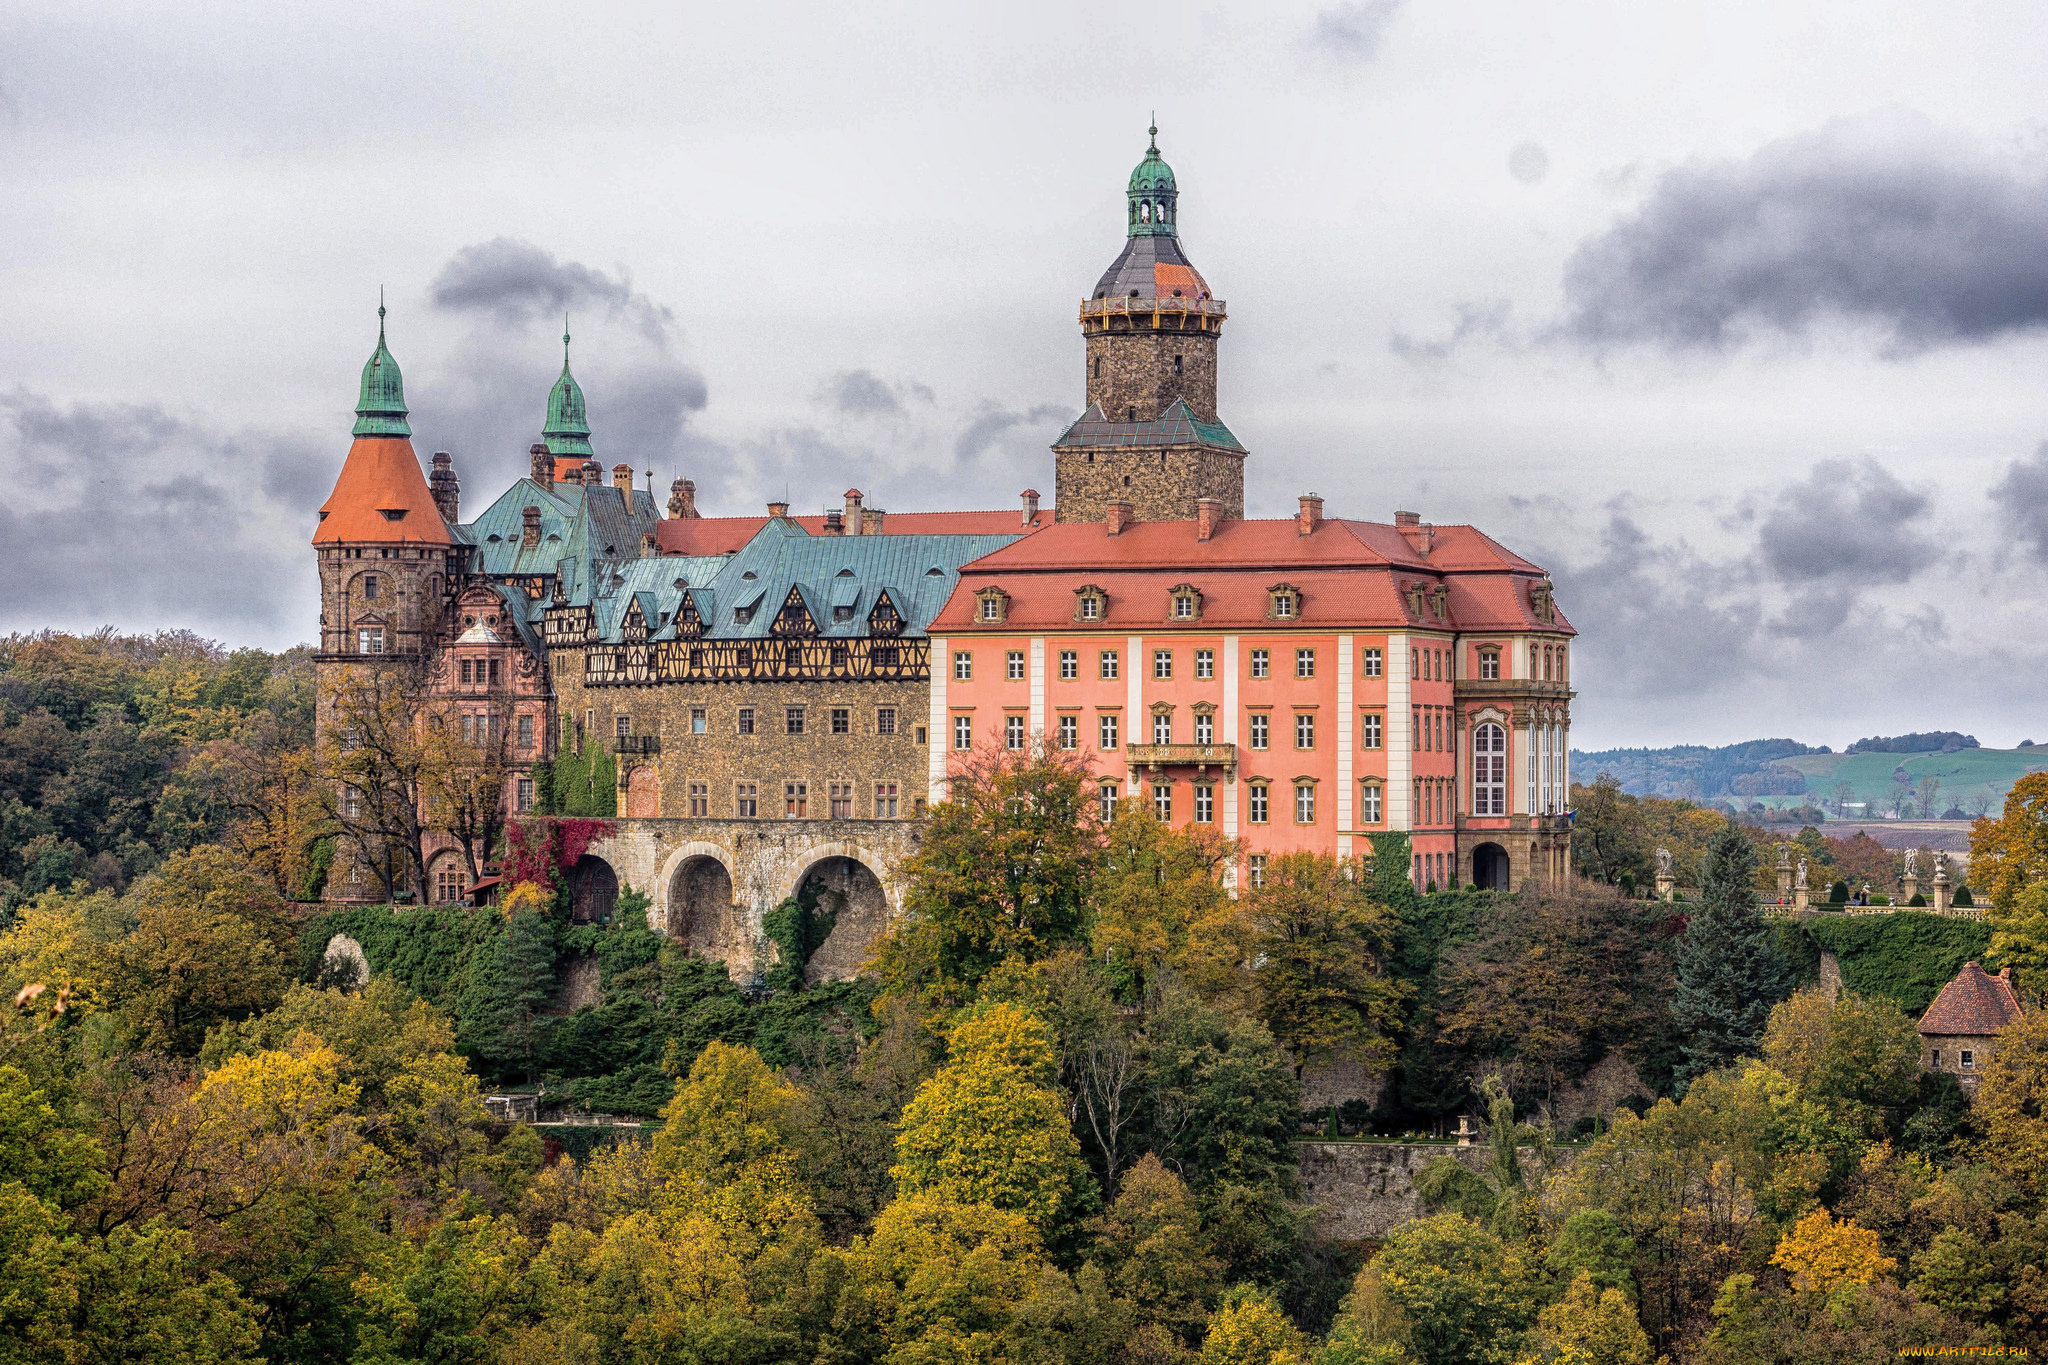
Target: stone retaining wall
<point x="1367" y="1189"/>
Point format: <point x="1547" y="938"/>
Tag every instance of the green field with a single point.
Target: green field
<point x="1966" y="775"/>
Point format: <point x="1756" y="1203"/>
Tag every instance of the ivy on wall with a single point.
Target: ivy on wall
<point x="577" y="784"/>
<point x="1905" y="957"/>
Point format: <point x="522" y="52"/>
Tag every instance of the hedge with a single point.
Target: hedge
<point x="1904" y="956"/>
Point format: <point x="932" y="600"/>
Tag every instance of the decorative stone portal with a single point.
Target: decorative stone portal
<point x="850" y="892"/>
<point x="593" y="890"/>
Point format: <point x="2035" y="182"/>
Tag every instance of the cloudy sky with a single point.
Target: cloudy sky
<point x="1733" y="315"/>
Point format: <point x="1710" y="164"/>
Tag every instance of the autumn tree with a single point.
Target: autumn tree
<point x="1590" y="1324"/>
<point x="1152" y="1253"/>
<point x="373" y="760"/>
<point x="1157" y="901"/>
<point x="1248" y="1328"/>
<point x="1608" y="835"/>
<point x="1729" y="974"/>
<point x="2010" y="854"/>
<point x="1858" y="1055"/>
<point x="1319" y="942"/>
<point x="464" y="779"/>
<point x="1445" y="1290"/>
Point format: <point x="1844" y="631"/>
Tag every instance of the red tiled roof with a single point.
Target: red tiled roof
<point x="1975" y="1004"/>
<point x="717" y="535"/>
<point x="1173" y="543"/>
<point x="381" y="496"/>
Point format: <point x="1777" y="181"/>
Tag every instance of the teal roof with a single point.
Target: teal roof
<point x="1177" y="426"/>
<point x="567" y="431"/>
<point x="1153" y="197"/>
<point x="380" y="407"/>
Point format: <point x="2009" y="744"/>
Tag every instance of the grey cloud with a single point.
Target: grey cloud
<point x="1528" y="162"/>
<point x="2022" y="501"/>
<point x="1474" y="320"/>
<point x="862" y="392"/>
<point x="1883" y="220"/>
<point x="987" y="429"/>
<point x="517" y="282"/>
<point x="1352" y="31"/>
<point x="1847" y="521"/>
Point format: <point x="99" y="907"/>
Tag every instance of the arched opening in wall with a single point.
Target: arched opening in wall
<point x="700" y="912"/>
<point x="593" y="890"/>
<point x="643" y="793"/>
<point x="849" y="891"/>
<point x="1490" y="867"/>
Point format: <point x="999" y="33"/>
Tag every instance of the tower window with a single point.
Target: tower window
<point x="369" y="587"/>
<point x="1176" y="359"/>
<point x="1098" y="367"/>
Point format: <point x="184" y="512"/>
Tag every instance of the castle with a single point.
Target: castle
<point x="766" y="702"/>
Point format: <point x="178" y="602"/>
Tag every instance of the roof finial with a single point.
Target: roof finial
<point x="380" y="315"/>
<point x="565" y="341"/>
<point x="1154" y="131"/>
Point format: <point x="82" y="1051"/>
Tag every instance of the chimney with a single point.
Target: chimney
<point x="1119" y="516"/>
<point x="853" y="517"/>
<point x="1208" y="516"/>
<point x="778" y="510"/>
<point x="1311" y="514"/>
<point x="622" y="479"/>
<point x="1412" y="529"/>
<point x="835" y="523"/>
<point x="871" y="521"/>
<point x="543" y="467"/>
<point x="1030" y="505"/>
<point x="647" y="545"/>
<point x="530" y="535"/>
<point x="593" y="473"/>
<point x="682" y="500"/>
<point x="446" y="488"/>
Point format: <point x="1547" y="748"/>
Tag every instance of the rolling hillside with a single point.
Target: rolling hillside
<point x="1967" y="776"/>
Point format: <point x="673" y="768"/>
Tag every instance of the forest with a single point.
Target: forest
<point x="1057" y="1117"/>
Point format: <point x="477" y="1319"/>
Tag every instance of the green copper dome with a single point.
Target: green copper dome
<point x="568" y="430"/>
<point x="1152" y="195"/>
<point x="380" y="409"/>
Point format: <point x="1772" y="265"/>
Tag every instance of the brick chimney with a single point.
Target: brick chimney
<point x="871" y="521"/>
<point x="1311" y="515"/>
<point x="835" y="523"/>
<point x="778" y="510"/>
<point x="542" y="471"/>
<point x="622" y="479"/>
<point x="682" y="500"/>
<point x="1030" y="505"/>
<point x="529" y="536"/>
<point x="1412" y="529"/>
<point x="853" y="517"/>
<point x="446" y="488"/>
<point x="1120" y="516"/>
<point x="1208" y="516"/>
<point x="593" y="473"/>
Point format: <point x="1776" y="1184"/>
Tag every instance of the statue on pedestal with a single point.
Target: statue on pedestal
<point x="1665" y="881"/>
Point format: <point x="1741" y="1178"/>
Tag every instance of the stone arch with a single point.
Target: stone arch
<point x="703" y="914"/>
<point x="643" y="792"/>
<point x="841" y="878"/>
<point x="1490" y="870"/>
<point x="593" y="890"/>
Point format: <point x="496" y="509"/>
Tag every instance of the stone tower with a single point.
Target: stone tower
<point x="1150" y="435"/>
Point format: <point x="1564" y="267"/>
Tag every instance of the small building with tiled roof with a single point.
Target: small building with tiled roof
<point x="1959" y="1031"/>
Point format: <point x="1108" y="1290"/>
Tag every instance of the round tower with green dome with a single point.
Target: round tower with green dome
<point x="380" y="407"/>
<point x="567" y="431"/>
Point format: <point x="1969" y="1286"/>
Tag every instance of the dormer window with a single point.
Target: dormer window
<point x="1184" y="603"/>
<point x="992" y="605"/>
<point x="1283" y="602"/>
<point x="1090" y="603"/>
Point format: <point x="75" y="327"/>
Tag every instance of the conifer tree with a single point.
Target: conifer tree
<point x="1729" y="974"/>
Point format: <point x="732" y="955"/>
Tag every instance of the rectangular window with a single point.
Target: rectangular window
<point x="1489" y="665"/>
<point x="1304" y="804"/>
<point x="1205" y="804"/>
<point x="1258" y="870"/>
<point x="1070" y="664"/>
<point x="1258" y="725"/>
<point x="885" y="720"/>
<point x="698" y="721"/>
<point x="1304" y="730"/>
<point x="700" y="800"/>
<point x="1109" y="664"/>
<point x="1304" y="663"/>
<point x="525" y="795"/>
<point x="1108" y="733"/>
<point x="370" y="640"/>
<point x="622" y="727"/>
<point x="1969" y="1058"/>
<point x="1205" y="729"/>
<point x="1069" y="732"/>
<point x="747" y="801"/>
<point x="1091" y="607"/>
<point x="1369" y="735"/>
<point x="526" y="732"/>
<point x="963" y="732"/>
<point x="886" y="801"/>
<point x="1108" y="793"/>
<point x="792" y="720"/>
<point x="466" y="670"/>
<point x="1261" y="663"/>
<point x="1013" y="662"/>
<point x="841" y="796"/>
<point x="842" y="721"/>
<point x="963" y="666"/>
<point x="1162" y="663"/>
<point x="493" y="671"/>
<point x="991" y="609"/>
<point x="1369" y="804"/>
<point x="1162" y="728"/>
<point x="1415" y="663"/>
<point x="1205" y="663"/>
<point x="1255" y="802"/>
<point x="796" y="800"/>
<point x="1369" y="663"/>
<point x="1162" y="802"/>
<point x="370" y="586"/>
<point x="1013" y="732"/>
<point x="920" y="735"/>
<point x="1415" y="730"/>
<point x="447" y="886"/>
<point x="746" y="720"/>
<point x="1183" y="603"/>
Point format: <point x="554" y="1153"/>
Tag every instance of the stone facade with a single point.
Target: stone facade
<point x="1367" y="1189"/>
<point x="1161" y="484"/>
<point x="1137" y="370"/>
<point x="1962" y="1055"/>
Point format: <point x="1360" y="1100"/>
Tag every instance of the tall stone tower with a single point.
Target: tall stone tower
<point x="1150" y="436"/>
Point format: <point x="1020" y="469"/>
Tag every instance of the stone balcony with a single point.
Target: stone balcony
<point x="1200" y="757"/>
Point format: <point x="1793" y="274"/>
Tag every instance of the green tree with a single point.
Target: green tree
<point x="1157" y="901"/>
<point x="1859" y="1056"/>
<point x="1609" y="839"/>
<point x="452" y="1298"/>
<point x="1729" y="974"/>
<point x="1593" y="1243"/>
<point x="1320" y="942"/>
<point x="1591" y="1326"/>
<point x="1152" y="1253"/>
<point x="504" y="1009"/>
<point x="1497" y="1194"/>
<point x="1444" y="1289"/>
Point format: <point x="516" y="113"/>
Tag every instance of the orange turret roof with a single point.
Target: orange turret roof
<point x="381" y="497"/>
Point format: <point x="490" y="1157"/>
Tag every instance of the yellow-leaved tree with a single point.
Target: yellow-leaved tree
<point x="1249" y="1328"/>
<point x="1823" y="1255"/>
<point x="1590" y="1326"/>
<point x="2010" y="854"/>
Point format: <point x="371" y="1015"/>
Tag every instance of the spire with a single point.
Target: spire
<point x="1153" y="211"/>
<point x="568" y="430"/>
<point x="380" y="408"/>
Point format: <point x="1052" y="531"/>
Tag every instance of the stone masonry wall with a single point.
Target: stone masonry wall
<point x="1160" y="483"/>
<point x="1134" y="370"/>
<point x="1367" y="1189"/>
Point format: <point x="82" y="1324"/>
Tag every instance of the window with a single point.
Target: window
<point x="1304" y="663"/>
<point x="963" y="732"/>
<point x="991" y="608"/>
<point x="525" y="798"/>
<point x="526" y="732"/>
<point x="1013" y="732"/>
<point x="1162" y="663"/>
<point x="1968" y="1057"/>
<point x="622" y="727"/>
<point x="370" y="586"/>
<point x="1369" y="661"/>
<point x="1560" y="664"/>
<point x="1205" y="729"/>
<point x="1176" y="364"/>
<point x="448" y="886"/>
<point x="1069" y="732"/>
<point x="842" y="721"/>
<point x="1070" y="664"/>
<point x="920" y="735"/>
<point x="1489" y="665"/>
<point x="1304" y="730"/>
<point x="494" y="671"/>
<point x="841" y="796"/>
<point x="886" y="801"/>
<point x="698" y="722"/>
<point x="1283" y="605"/>
<point x="1260" y="666"/>
<point x="1369" y="804"/>
<point x="746" y="720"/>
<point x="1934" y="1059"/>
<point x="351" y="804"/>
<point x="792" y="720"/>
<point x="1304" y="803"/>
<point x="1489" y="770"/>
<point x="1256" y="795"/>
<point x="1205" y="663"/>
<point x="1183" y="606"/>
<point x="1370" y="730"/>
<point x="1162" y="727"/>
<point x="1162" y="802"/>
<point x="700" y="800"/>
<point x="796" y="800"/>
<point x="370" y="640"/>
<point x="1258" y="870"/>
<point x="885" y="720"/>
<point x="465" y="673"/>
<point x="1091" y="608"/>
<point x="1108" y="792"/>
<point x="1013" y="663"/>
<point x="963" y="666"/>
<point x="1259" y="724"/>
<point x="1108" y="740"/>
<point x="1109" y="664"/>
<point x="747" y="801"/>
<point x="1415" y="663"/>
<point x="1205" y="804"/>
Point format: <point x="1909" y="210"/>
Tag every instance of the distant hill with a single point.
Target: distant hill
<point x="1692" y="770"/>
<point x="1926" y="742"/>
<point x="1783" y="772"/>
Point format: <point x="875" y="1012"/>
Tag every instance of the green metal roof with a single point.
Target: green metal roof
<point x="1153" y="196"/>
<point x="1177" y="426"/>
<point x="380" y="407"/>
<point x="568" y="427"/>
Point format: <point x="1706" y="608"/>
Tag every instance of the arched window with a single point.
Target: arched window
<point x="1489" y="770"/>
<point x="1098" y="367"/>
<point x="1145" y="212"/>
<point x="1535" y="661"/>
